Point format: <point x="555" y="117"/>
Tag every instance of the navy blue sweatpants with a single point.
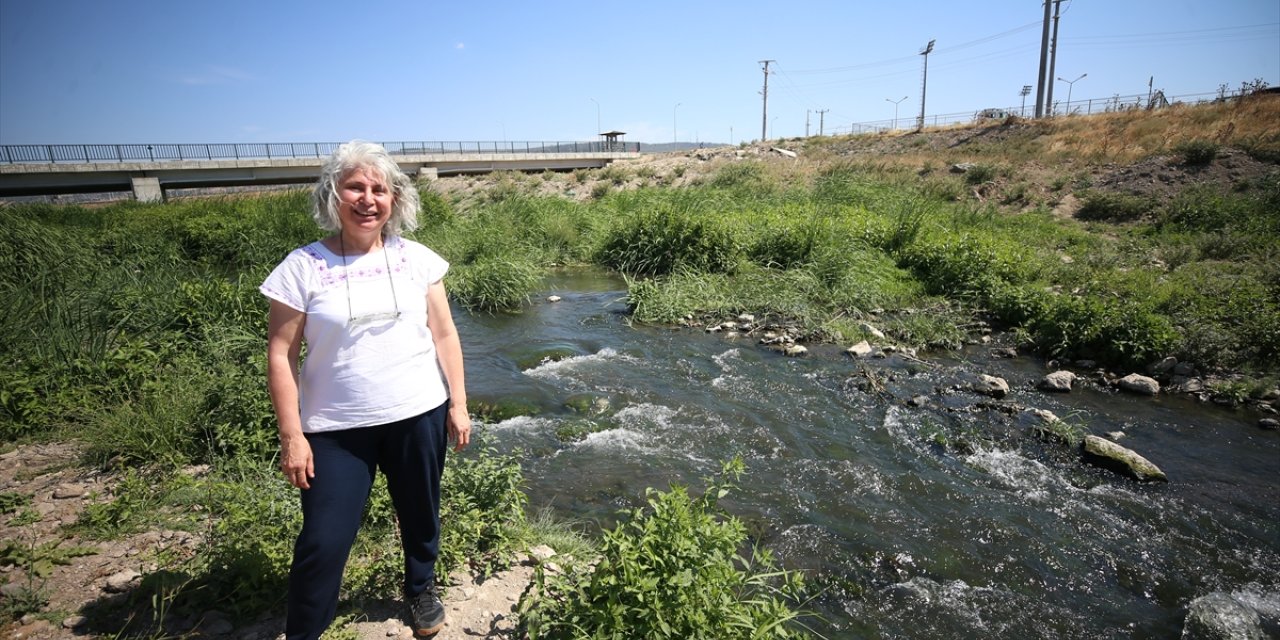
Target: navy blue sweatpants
<point x="411" y="454"/>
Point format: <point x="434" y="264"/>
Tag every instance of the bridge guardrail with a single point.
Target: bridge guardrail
<point x="88" y="153"/>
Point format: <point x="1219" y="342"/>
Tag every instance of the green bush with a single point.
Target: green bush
<point x="671" y="570"/>
<point x="740" y="175"/>
<point x="980" y="173"/>
<point x="482" y="510"/>
<point x="1116" y="333"/>
<point x="666" y="240"/>
<point x="434" y="211"/>
<point x="1197" y="153"/>
<point x="1105" y="206"/>
<point x="966" y="268"/>
<point x="494" y="284"/>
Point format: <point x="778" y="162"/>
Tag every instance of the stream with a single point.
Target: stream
<point x="942" y="520"/>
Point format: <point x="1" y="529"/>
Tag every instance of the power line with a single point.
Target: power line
<point x="1266" y="25"/>
<point x="913" y="69"/>
<point x="903" y="59"/>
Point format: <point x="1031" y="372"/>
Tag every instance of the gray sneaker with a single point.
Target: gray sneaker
<point x="427" y="612"/>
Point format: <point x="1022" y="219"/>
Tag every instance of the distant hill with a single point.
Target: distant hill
<point x="664" y="147"/>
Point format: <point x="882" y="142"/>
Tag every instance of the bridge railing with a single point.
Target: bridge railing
<point x="88" y="153"/>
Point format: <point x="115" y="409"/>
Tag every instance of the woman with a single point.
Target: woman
<point x="382" y="385"/>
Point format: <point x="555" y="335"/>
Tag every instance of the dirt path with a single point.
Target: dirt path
<point x="61" y="489"/>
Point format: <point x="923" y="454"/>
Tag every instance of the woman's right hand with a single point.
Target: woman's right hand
<point x="296" y="461"/>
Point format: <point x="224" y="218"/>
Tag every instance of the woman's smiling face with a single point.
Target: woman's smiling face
<point x="365" y="201"/>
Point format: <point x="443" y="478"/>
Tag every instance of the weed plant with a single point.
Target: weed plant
<point x="670" y="570"/>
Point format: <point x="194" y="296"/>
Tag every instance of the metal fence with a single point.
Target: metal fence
<point x="1081" y="106"/>
<point x="68" y="153"/>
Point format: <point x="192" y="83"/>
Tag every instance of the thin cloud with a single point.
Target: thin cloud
<point x="214" y="74"/>
<point x="460" y="45"/>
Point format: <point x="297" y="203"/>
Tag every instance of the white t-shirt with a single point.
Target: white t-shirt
<point x="377" y="369"/>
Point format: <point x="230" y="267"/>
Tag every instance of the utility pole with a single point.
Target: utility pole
<point x="1044" y="62"/>
<point x="1026" y="89"/>
<point x="806" y="122"/>
<point x="764" y="115"/>
<point x="822" y="118"/>
<point x="924" y="85"/>
<point x="1053" y="55"/>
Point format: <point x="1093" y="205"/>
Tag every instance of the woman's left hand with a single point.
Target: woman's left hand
<point x="459" y="425"/>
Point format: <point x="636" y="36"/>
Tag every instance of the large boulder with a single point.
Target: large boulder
<point x="862" y="349"/>
<point x="1058" y="381"/>
<point x="990" y="386"/>
<point x="1218" y="616"/>
<point x="1136" y="383"/>
<point x="1109" y="455"/>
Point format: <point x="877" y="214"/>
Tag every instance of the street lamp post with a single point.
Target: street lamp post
<point x="673" y="121"/>
<point x="1026" y="88"/>
<point x="1071" y="84"/>
<point x="895" y="111"/>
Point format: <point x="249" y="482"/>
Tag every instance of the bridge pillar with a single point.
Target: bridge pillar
<point x="427" y="174"/>
<point x="147" y="189"/>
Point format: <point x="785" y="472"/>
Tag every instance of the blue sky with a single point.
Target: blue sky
<point x="135" y="71"/>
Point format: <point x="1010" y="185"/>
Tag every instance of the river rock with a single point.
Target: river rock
<point x="1004" y="352"/>
<point x="872" y="331"/>
<point x="64" y="491"/>
<point x="1269" y="423"/>
<point x="746" y="318"/>
<point x="990" y="386"/>
<point x="542" y="553"/>
<point x="796" y="350"/>
<point x="553" y="298"/>
<point x="1188" y="385"/>
<point x="1041" y="415"/>
<point x="1058" y="381"/>
<point x="1164" y="366"/>
<point x="1109" y="455"/>
<point x="860" y="350"/>
<point x="1184" y="369"/>
<point x="122" y="581"/>
<point x="1219" y="616"/>
<point x="1136" y="383"/>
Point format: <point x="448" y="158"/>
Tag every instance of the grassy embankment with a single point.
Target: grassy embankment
<point x="137" y="329"/>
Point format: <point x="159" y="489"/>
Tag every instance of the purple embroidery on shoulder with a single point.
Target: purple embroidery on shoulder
<point x="327" y="277"/>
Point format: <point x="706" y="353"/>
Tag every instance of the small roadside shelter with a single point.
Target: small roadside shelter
<point x="612" y="141"/>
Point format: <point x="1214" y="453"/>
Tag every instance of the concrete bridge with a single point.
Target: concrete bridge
<point x="148" y="170"/>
